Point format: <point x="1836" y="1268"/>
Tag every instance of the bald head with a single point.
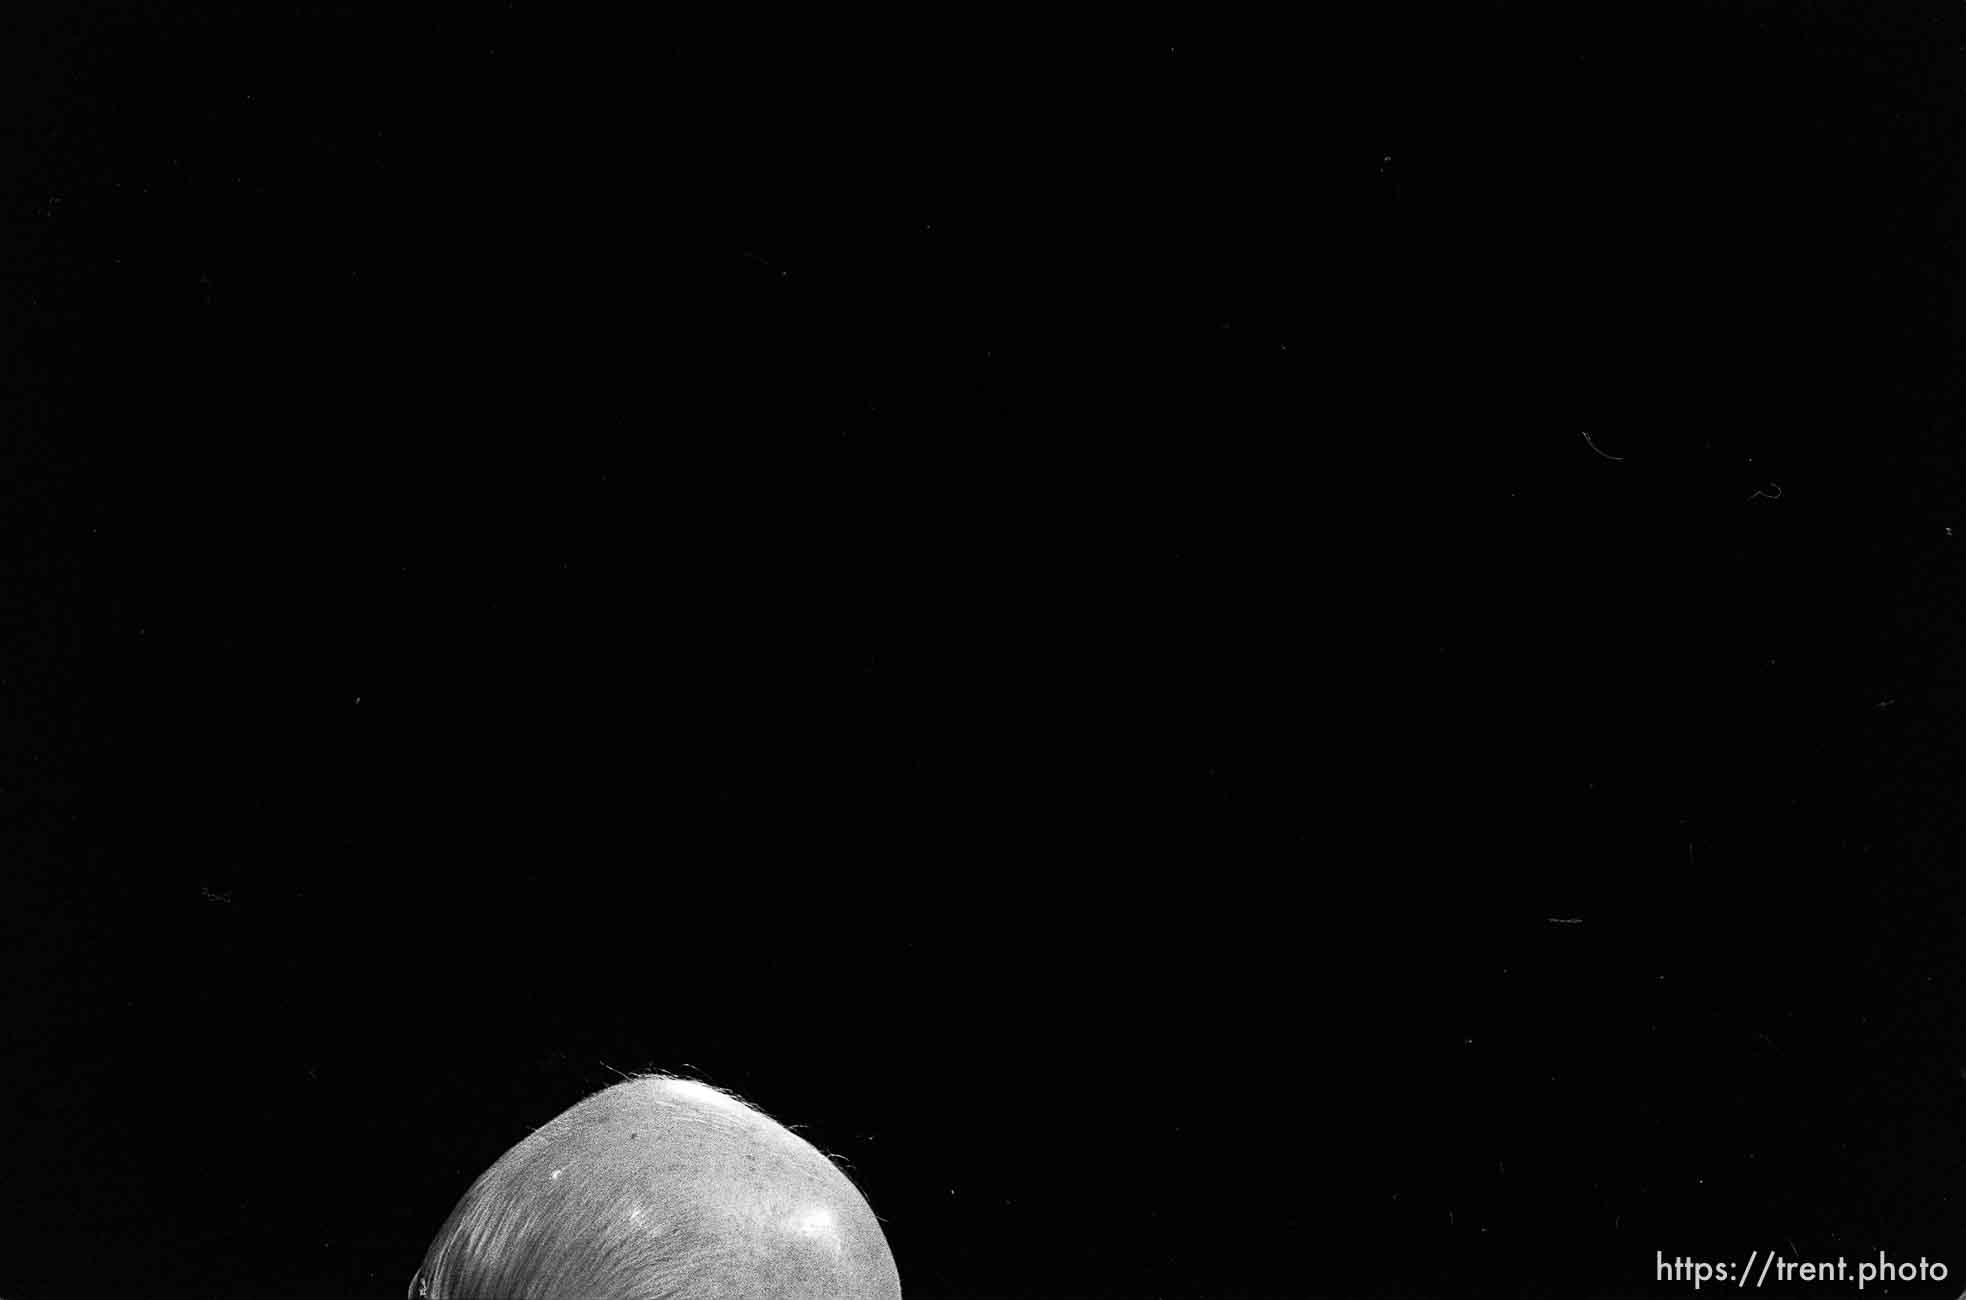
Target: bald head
<point x="658" y="1188"/>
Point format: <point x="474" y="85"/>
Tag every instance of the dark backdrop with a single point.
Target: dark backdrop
<point x="1250" y="662"/>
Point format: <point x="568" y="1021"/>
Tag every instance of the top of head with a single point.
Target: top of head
<point x="660" y="1187"/>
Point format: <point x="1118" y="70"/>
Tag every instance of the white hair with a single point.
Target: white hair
<point x="659" y="1188"/>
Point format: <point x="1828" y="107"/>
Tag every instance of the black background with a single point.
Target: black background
<point x="1037" y="602"/>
